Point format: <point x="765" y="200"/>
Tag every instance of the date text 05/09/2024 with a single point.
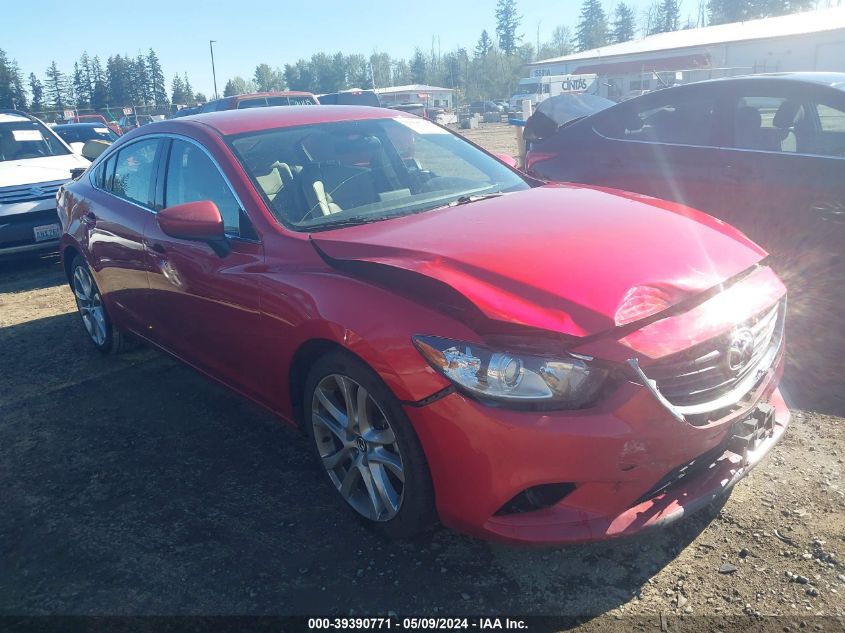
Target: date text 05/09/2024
<point x="436" y="624"/>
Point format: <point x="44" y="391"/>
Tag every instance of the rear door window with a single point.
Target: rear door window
<point x="134" y="172"/>
<point x="764" y="123"/>
<point x="252" y="103"/>
<point x="789" y="120"/>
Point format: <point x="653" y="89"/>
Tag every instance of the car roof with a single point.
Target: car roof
<point x="228" y="122"/>
<point x="278" y="93"/>
<point x="819" y="78"/>
<point x="76" y="126"/>
<point x="13" y="117"/>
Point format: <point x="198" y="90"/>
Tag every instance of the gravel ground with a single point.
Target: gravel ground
<point x="131" y="485"/>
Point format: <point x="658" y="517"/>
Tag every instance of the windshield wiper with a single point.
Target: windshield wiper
<point x="474" y="198"/>
<point x="353" y="221"/>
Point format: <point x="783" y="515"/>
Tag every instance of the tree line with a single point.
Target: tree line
<point x="489" y="69"/>
<point x="122" y="81"/>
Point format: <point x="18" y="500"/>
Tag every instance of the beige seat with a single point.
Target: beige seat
<point x="324" y="201"/>
<point x="279" y="177"/>
<point x="270" y="183"/>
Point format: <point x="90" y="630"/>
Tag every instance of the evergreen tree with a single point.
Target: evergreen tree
<point x="725" y="11"/>
<point x="143" y="90"/>
<point x="37" y="90"/>
<point x="200" y="97"/>
<point x="623" y="24"/>
<point x="81" y="88"/>
<point x="56" y="87"/>
<point x="100" y="89"/>
<point x="84" y="80"/>
<point x="12" y="93"/>
<point x="482" y="49"/>
<point x="158" y="89"/>
<point x="118" y="80"/>
<point x="507" y="22"/>
<point x="668" y="16"/>
<point x="592" y="27"/>
<point x="189" y="91"/>
<point x="177" y="91"/>
<point x="5" y="81"/>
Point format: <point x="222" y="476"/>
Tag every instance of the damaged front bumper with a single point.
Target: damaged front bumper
<point x="626" y="466"/>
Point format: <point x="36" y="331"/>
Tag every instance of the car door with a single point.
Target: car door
<point x="664" y="145"/>
<point x="118" y="210"/>
<point x="205" y="306"/>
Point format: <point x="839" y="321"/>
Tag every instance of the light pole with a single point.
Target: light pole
<point x="213" y="73"/>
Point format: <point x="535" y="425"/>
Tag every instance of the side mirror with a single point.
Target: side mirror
<point x="93" y="148"/>
<point x="76" y="172"/>
<point x="197" y="221"/>
<point x="507" y="159"/>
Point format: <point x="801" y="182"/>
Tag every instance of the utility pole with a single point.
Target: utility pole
<point x="213" y="73"/>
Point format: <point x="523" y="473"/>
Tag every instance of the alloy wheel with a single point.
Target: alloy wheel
<point x="90" y="305"/>
<point x="358" y="447"/>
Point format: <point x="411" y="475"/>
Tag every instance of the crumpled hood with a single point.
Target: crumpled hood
<point x="561" y="258"/>
<point x="34" y="170"/>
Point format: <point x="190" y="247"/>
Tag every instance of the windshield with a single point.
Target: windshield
<point x="81" y="133"/>
<point x="22" y="138"/>
<point x="319" y="176"/>
<point x="528" y="88"/>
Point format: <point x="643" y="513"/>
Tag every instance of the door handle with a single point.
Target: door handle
<point x="89" y="218"/>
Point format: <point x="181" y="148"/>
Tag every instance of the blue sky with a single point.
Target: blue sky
<point x="254" y="31"/>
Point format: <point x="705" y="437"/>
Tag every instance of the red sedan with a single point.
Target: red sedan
<point x="526" y="362"/>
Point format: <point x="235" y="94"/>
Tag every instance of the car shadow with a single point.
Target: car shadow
<point x="132" y="485"/>
<point x="22" y="273"/>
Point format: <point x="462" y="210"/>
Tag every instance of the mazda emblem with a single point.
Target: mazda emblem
<point x="740" y="351"/>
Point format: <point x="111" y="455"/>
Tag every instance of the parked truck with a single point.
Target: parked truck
<point x="537" y="89"/>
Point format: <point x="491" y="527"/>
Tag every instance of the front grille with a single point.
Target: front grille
<point x="30" y="218"/>
<point x="30" y="193"/>
<point x="703" y="373"/>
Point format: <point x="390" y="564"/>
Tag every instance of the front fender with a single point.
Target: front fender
<point x="368" y="320"/>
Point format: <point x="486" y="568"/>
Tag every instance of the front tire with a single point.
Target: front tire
<point x="367" y="447"/>
<point x="95" y="318"/>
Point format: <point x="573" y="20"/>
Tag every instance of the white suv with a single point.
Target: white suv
<point x="34" y="163"/>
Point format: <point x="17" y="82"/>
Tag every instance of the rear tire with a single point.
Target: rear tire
<point x="95" y="318"/>
<point x="366" y="445"/>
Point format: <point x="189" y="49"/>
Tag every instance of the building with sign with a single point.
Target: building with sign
<point x="814" y="40"/>
<point x="430" y="96"/>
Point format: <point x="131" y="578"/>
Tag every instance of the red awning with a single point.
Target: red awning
<point x="682" y="62"/>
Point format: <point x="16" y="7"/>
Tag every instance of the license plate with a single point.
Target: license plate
<point x="47" y="232"/>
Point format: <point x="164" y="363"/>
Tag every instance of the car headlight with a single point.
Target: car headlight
<point x="566" y="382"/>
